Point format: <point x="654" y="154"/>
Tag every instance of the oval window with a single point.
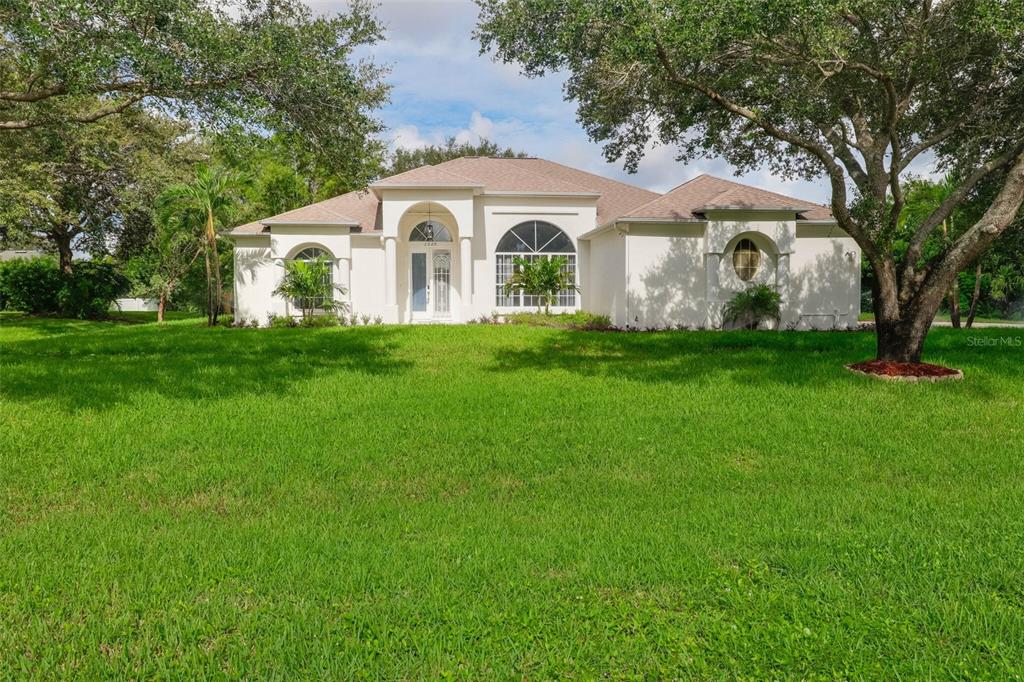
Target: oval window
<point x="746" y="259"/>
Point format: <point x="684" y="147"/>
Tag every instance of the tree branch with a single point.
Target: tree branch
<point x="835" y="173"/>
<point x="973" y="243"/>
<point x="943" y="211"/>
<point x="91" y="117"/>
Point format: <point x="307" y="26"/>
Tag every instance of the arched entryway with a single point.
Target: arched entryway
<point x="430" y="271"/>
<point x="428" y="264"/>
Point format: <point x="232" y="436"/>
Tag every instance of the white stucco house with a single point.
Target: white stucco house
<point x="435" y="244"/>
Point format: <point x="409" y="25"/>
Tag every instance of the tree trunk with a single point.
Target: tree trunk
<point x="160" y="307"/>
<point x="211" y="236"/>
<point x="209" y="291"/>
<point x="899" y="340"/>
<point x="63" y="244"/>
<point x="954" y="289"/>
<point x="975" y="295"/>
<point x="954" y="303"/>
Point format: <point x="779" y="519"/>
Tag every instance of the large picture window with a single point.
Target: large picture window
<point x="309" y="255"/>
<point x="529" y="241"/>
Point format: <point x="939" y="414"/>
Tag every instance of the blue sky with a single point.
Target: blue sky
<point x="442" y="86"/>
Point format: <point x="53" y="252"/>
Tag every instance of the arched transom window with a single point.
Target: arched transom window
<point x="531" y="240"/>
<point x="430" y="231"/>
<point x="746" y="259"/>
<point x="309" y="255"/>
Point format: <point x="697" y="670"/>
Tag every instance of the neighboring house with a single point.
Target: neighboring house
<point x="435" y="244"/>
<point x="18" y="254"/>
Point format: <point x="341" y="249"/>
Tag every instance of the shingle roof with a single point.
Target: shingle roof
<point x="615" y="199"/>
<point x="688" y="200"/>
<point x="361" y="208"/>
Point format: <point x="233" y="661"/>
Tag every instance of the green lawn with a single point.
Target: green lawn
<point x="504" y="502"/>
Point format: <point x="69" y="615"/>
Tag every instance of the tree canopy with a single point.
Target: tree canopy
<point x="855" y="91"/>
<point x="89" y="187"/>
<point x="263" y="64"/>
<point x="407" y="159"/>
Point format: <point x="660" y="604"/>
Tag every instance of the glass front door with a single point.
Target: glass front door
<point x="419" y="282"/>
<point x="442" y="277"/>
<point x="430" y="277"/>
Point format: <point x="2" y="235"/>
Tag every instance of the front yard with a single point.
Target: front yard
<point x="504" y="501"/>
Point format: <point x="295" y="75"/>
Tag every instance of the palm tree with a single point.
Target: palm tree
<point x="208" y="198"/>
<point x="542" y="277"/>
<point x="308" y="284"/>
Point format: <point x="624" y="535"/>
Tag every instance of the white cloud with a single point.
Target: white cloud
<point x="408" y="137"/>
<point x="480" y="128"/>
<point x="443" y="87"/>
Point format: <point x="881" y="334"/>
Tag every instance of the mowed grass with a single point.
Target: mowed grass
<point x="504" y="502"/>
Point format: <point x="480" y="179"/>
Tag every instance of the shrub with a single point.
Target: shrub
<point x="318" y="321"/>
<point x="30" y="285"/>
<point x="279" y="321"/>
<point x="91" y="290"/>
<point x="578" y="320"/>
<point x="752" y="305"/>
<point x="37" y="285"/>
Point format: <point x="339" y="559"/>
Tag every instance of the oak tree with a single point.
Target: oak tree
<point x="854" y="91"/>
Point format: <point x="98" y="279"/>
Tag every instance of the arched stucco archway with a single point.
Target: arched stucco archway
<point x="429" y="264"/>
<point x="724" y="277"/>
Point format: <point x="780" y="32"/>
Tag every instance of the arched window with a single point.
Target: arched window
<point x="532" y="240"/>
<point x="746" y="259"/>
<point x="308" y="255"/>
<point x="430" y="231"/>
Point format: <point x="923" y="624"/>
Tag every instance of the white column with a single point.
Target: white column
<point x="711" y="265"/>
<point x="391" y="280"/>
<point x="466" y="277"/>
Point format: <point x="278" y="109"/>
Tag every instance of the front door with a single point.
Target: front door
<point x="430" y="277"/>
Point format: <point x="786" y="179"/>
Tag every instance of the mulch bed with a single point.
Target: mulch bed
<point x="904" y="371"/>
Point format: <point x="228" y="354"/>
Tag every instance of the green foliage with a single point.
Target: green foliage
<point x="753" y="305"/>
<point x="204" y="206"/>
<point x="542" y="277"/>
<point x="407" y="159"/>
<point x="259" y="64"/>
<point x="489" y="502"/>
<point x="89" y="188"/>
<point x="285" y="173"/>
<point x="312" y="322"/>
<point x="307" y="285"/>
<point x="30" y="285"/>
<point x="580" y="319"/>
<point x="38" y="286"/>
<point x="174" y="249"/>
<point x="91" y="289"/>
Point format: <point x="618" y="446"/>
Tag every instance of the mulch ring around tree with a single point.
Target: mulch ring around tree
<point x="905" y="371"/>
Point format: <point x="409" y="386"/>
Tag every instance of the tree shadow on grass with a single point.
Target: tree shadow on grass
<point x="790" y="358"/>
<point x="97" y="369"/>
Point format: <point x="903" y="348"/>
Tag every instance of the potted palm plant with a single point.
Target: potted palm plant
<point x="541" y="277"/>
